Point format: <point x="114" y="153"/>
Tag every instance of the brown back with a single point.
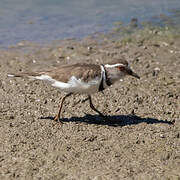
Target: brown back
<point x="82" y="71"/>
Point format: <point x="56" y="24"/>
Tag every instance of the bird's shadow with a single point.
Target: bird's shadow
<point x="115" y="120"/>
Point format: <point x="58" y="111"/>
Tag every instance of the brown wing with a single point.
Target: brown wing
<point x="85" y="72"/>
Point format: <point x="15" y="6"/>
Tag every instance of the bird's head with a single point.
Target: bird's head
<point x="118" y="69"/>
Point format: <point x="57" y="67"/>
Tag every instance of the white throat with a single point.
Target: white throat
<point x="103" y="76"/>
<point x="113" y="73"/>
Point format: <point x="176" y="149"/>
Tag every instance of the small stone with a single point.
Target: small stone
<point x="171" y="51"/>
<point x="70" y="47"/>
<point x="156" y="45"/>
<point x="89" y="48"/>
<point x="34" y="61"/>
<point x="177" y="135"/>
<point x="147" y="65"/>
<point x="156" y="71"/>
<point x="165" y="156"/>
<point x="11" y="117"/>
<point x="165" y="44"/>
<point x="162" y="136"/>
<point x="10" y="124"/>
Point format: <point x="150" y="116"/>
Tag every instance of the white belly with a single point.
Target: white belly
<point x="73" y="85"/>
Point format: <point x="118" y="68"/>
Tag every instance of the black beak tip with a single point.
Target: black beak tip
<point x="131" y="73"/>
<point x="135" y="75"/>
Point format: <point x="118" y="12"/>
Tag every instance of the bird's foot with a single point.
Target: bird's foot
<point x="58" y="120"/>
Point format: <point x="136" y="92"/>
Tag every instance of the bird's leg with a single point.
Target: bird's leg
<point x="92" y="106"/>
<point x="57" y="117"/>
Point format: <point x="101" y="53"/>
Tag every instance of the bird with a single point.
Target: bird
<point x="82" y="78"/>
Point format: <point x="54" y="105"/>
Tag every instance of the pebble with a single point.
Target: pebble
<point x="162" y="136"/>
<point x="34" y="61"/>
<point x="165" y="156"/>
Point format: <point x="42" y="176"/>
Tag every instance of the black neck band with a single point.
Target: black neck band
<point x="101" y="87"/>
<point x="108" y="82"/>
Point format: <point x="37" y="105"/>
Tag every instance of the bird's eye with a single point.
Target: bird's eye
<point x="121" y="68"/>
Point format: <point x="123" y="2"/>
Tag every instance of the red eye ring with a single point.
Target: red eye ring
<point x="121" y="68"/>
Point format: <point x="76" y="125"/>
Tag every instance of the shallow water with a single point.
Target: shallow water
<point x="46" y="20"/>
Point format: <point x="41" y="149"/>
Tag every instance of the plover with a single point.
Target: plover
<point x="82" y="78"/>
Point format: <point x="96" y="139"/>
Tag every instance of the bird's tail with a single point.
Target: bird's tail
<point x="24" y="75"/>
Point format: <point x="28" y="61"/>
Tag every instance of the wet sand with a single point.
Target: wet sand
<point x="140" y="139"/>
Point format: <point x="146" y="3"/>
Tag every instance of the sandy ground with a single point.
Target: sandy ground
<point x="140" y="139"/>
